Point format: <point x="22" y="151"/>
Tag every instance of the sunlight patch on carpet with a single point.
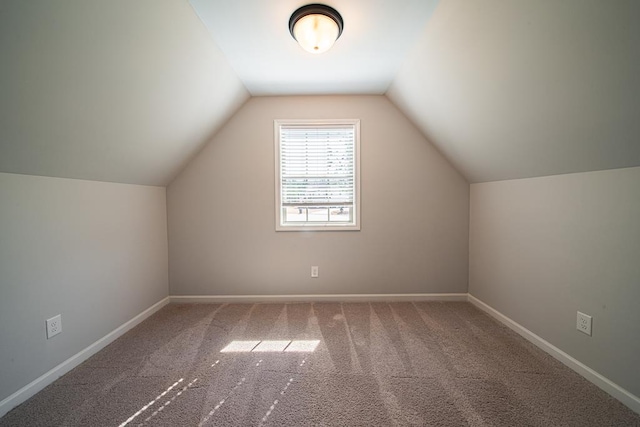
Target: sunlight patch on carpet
<point x="302" y="346"/>
<point x="271" y="346"/>
<point x="148" y="405"/>
<point x="240" y="347"/>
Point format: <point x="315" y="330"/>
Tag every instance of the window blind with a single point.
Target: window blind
<point x="317" y="165"/>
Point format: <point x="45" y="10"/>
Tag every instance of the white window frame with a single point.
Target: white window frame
<point x="317" y="226"/>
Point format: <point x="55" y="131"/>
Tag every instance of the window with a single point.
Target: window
<point x="317" y="175"/>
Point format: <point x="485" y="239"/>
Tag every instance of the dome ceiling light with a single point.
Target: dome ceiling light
<point x="316" y="27"/>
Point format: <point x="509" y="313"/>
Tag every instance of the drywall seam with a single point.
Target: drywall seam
<point x="316" y="298"/>
<point x="44" y="380"/>
<point x="627" y="398"/>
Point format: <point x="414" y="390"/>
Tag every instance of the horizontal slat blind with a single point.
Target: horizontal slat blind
<point x="317" y="165"/>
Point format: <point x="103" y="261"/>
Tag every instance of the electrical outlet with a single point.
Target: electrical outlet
<point x="584" y="323"/>
<point x="54" y="326"/>
<point x="314" y="271"/>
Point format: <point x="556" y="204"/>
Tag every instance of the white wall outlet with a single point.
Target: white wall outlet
<point x="584" y="323"/>
<point x="54" y="326"/>
<point x="314" y="271"/>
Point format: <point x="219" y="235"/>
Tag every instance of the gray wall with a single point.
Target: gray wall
<point x="94" y="252"/>
<point x="415" y="211"/>
<point x="543" y="248"/>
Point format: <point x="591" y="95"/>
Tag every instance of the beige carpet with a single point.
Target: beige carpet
<point x="380" y="364"/>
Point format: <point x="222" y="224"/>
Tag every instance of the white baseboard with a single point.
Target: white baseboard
<point x="315" y="298"/>
<point x="44" y="380"/>
<point x="627" y="398"/>
<point x="630" y="400"/>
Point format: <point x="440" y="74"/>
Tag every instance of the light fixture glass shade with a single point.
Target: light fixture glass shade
<point x="316" y="33"/>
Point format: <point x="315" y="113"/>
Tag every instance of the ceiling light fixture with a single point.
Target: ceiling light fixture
<point x="316" y="27"/>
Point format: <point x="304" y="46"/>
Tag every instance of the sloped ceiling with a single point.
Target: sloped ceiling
<point x="254" y="36"/>
<point x="128" y="91"/>
<point x="512" y="89"/>
<point x="119" y="90"/>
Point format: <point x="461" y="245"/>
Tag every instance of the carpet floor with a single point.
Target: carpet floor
<point x="321" y="364"/>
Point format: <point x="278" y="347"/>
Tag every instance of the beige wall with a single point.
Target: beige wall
<point x="94" y="252"/>
<point x="543" y="248"/>
<point x="415" y="209"/>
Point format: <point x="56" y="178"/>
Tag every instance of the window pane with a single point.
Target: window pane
<point x="293" y="214"/>
<point x="340" y="214"/>
<point x="318" y="214"/>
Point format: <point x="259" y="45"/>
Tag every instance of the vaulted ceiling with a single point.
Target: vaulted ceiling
<point x="522" y="88"/>
<point x="129" y="91"/>
<point x="254" y="36"/>
<point x="118" y="90"/>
